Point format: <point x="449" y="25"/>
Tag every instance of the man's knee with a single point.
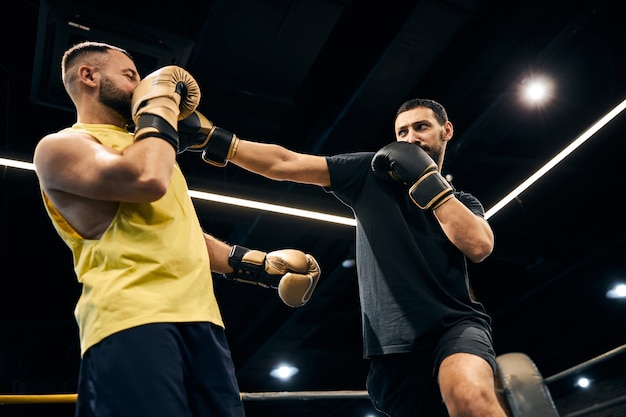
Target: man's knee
<point x="467" y="386"/>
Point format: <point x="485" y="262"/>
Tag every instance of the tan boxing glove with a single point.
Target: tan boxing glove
<point x="294" y="273"/>
<point x="162" y="99"/>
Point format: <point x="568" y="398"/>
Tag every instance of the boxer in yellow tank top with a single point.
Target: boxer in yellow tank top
<point x="151" y="333"/>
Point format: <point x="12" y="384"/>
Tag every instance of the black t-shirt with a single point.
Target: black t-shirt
<point x="413" y="282"/>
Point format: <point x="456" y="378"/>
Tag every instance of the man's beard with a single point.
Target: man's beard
<point x="116" y="99"/>
<point x="435" y="154"/>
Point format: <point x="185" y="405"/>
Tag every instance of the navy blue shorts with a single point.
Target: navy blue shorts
<point x="161" y="369"/>
<point x="405" y="384"/>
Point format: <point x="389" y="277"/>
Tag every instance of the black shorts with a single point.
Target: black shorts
<point x="405" y="384"/>
<point x="162" y="369"/>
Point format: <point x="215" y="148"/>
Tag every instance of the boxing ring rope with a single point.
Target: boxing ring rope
<point x="575" y="369"/>
<point x="585" y="365"/>
<point x="6" y="399"/>
<point x="246" y="396"/>
<point x="37" y="399"/>
<point x="303" y="395"/>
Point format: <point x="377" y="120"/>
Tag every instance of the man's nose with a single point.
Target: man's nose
<point x="413" y="137"/>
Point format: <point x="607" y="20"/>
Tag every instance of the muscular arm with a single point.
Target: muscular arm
<point x="470" y="233"/>
<point x="467" y="231"/>
<point x="77" y="164"/>
<point x="218" y="253"/>
<point x="278" y="163"/>
<point x="86" y="181"/>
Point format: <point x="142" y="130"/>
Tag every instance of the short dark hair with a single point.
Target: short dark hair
<point x="83" y="49"/>
<point x="440" y="112"/>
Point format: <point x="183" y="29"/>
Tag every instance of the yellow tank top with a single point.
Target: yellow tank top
<point x="150" y="265"/>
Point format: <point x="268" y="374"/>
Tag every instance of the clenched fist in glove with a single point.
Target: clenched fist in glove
<point x="199" y="134"/>
<point x="408" y="163"/>
<point x="160" y="100"/>
<point x="292" y="272"/>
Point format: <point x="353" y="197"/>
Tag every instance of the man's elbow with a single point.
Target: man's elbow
<point x="149" y="190"/>
<point x="480" y="252"/>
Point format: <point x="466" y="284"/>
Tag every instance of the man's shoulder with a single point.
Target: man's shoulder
<point x="59" y="137"/>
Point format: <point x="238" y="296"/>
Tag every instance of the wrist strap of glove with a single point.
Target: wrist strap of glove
<point x="221" y="146"/>
<point x="249" y="267"/>
<point x="150" y="125"/>
<point x="430" y="191"/>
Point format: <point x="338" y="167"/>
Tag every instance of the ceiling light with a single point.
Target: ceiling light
<point x="583" y="382"/>
<point x="537" y="91"/>
<point x="284" y="372"/>
<point x="617" y="292"/>
<point x="348" y="263"/>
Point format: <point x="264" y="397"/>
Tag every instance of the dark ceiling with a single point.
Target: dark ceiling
<point x="324" y="77"/>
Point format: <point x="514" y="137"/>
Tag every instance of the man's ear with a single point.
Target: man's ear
<point x="449" y="131"/>
<point x="87" y="75"/>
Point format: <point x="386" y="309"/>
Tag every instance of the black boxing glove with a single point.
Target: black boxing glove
<point x="198" y="134"/>
<point x="409" y="164"/>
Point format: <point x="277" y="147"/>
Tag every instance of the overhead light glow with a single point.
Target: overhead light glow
<point x="348" y="263"/>
<point x="284" y="372"/>
<point x="537" y="91"/>
<point x="583" y="382"/>
<point x="617" y="292"/>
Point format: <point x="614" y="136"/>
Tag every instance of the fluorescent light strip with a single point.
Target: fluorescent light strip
<point x="272" y="207"/>
<point x="351" y="221"/>
<point x="558" y="158"/>
<point x="17" y="164"/>
<point x="202" y="195"/>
